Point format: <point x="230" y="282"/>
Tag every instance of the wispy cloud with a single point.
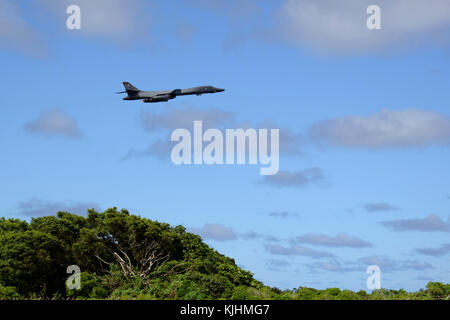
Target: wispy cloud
<point x="435" y="252"/>
<point x="214" y="232"/>
<point x="386" y="264"/>
<point x="165" y="122"/>
<point x="277" y="264"/>
<point x="416" y="265"/>
<point x="252" y="235"/>
<point x="122" y="21"/>
<point x="283" y="214"/>
<point x="332" y="27"/>
<point x="334" y="265"/>
<point x="379" y="207"/>
<point x="296" y="250"/>
<point x="427" y="278"/>
<point x="220" y="232"/>
<point x="386" y="129"/>
<point x="290" y="142"/>
<point x="17" y="33"/>
<point x="55" y="122"/>
<point x="295" y="179"/>
<point x="430" y="223"/>
<point x="340" y="240"/>
<point x="36" y="207"/>
<point x="159" y="148"/>
<point x="244" y="19"/>
<point x="184" y="118"/>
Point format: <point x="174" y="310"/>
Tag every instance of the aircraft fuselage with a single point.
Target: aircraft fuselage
<point x="165" y="95"/>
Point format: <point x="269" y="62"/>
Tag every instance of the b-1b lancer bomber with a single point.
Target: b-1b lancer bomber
<point x="165" y="95"/>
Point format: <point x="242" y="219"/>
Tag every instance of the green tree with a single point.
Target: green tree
<point x="437" y="290"/>
<point x="32" y="261"/>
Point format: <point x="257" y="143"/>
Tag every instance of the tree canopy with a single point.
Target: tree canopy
<point x="124" y="256"/>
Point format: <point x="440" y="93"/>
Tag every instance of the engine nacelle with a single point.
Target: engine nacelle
<point x="157" y="99"/>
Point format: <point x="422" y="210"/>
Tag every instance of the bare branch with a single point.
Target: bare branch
<point x="146" y="254"/>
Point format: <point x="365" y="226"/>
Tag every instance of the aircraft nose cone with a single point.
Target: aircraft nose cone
<point x="220" y="90"/>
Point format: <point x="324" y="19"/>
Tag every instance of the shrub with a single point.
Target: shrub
<point x="8" y="293"/>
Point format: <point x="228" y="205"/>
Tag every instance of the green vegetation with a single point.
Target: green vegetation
<point x="123" y="256"/>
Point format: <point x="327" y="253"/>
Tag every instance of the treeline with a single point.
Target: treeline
<point x="124" y="256"/>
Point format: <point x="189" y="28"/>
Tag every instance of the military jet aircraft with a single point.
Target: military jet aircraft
<point x="166" y="95"/>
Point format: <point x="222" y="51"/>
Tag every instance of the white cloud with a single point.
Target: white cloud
<point x="295" y="179"/>
<point x="16" y="32"/>
<point x="290" y="142"/>
<point x="379" y="206"/>
<point x="243" y="18"/>
<point x="416" y="265"/>
<point x="215" y="232"/>
<point x="35" y="207"/>
<point x="430" y="223"/>
<point x="276" y="264"/>
<point x="252" y="235"/>
<point x="153" y="122"/>
<point x="296" y="250"/>
<point x="386" y="264"/>
<point x="386" y="129"/>
<point x="54" y="122"/>
<point x="340" y="240"/>
<point x="283" y="214"/>
<point x="115" y="19"/>
<point x="335" y="266"/>
<point x="340" y="26"/>
<point x="184" y="118"/>
<point x="122" y="21"/>
<point x="435" y="252"/>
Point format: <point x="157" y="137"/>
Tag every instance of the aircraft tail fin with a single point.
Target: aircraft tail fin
<point x="130" y="89"/>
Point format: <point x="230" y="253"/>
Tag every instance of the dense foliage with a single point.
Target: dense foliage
<point x="123" y="256"/>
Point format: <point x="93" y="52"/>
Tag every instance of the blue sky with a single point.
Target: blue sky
<point x="364" y="119"/>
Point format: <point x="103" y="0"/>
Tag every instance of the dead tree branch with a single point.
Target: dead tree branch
<point x="145" y="257"/>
